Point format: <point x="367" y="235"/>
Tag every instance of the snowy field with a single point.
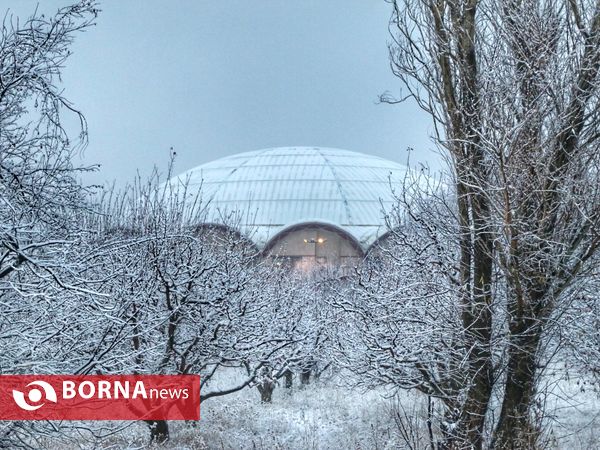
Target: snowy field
<point x="323" y="415"/>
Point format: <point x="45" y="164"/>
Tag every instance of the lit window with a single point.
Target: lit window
<point x="315" y="241"/>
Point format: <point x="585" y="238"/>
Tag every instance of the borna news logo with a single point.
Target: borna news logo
<point x="35" y="396"/>
<point x="100" y="397"/>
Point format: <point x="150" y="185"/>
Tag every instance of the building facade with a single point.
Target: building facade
<point x="306" y="206"/>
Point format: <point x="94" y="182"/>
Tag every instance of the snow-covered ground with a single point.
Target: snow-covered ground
<point x="318" y="416"/>
<point x="324" y="415"/>
<point x="574" y="414"/>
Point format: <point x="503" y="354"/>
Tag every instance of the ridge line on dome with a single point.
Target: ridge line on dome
<point x="287" y="199"/>
<point x="286" y="149"/>
<point x="337" y="182"/>
<point x="260" y="180"/>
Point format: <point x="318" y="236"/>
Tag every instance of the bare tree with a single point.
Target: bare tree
<point x="305" y="316"/>
<point x="402" y="326"/>
<point x="39" y="186"/>
<point x="194" y="298"/>
<point x="41" y="198"/>
<point x="513" y="89"/>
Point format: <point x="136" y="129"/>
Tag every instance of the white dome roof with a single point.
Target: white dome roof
<point x="277" y="188"/>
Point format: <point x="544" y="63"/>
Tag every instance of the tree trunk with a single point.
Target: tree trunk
<point x="473" y="414"/>
<point x="476" y="250"/>
<point x="159" y="431"/>
<point x="289" y="380"/>
<point x="514" y="429"/>
<point x="305" y="376"/>
<point x="266" y="392"/>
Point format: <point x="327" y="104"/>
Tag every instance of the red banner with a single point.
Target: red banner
<point x="99" y="397"/>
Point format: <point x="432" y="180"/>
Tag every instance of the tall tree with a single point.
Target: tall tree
<point x="41" y="199"/>
<point x="512" y="87"/>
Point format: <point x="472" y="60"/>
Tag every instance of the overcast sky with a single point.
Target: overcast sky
<point x="212" y="78"/>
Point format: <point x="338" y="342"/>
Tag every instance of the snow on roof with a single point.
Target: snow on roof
<point x="275" y="188"/>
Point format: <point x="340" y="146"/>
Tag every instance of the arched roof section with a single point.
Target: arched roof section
<point x="380" y="239"/>
<point x="312" y="225"/>
<point x="225" y="230"/>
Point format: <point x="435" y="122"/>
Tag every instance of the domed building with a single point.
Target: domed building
<point x="307" y="205"/>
